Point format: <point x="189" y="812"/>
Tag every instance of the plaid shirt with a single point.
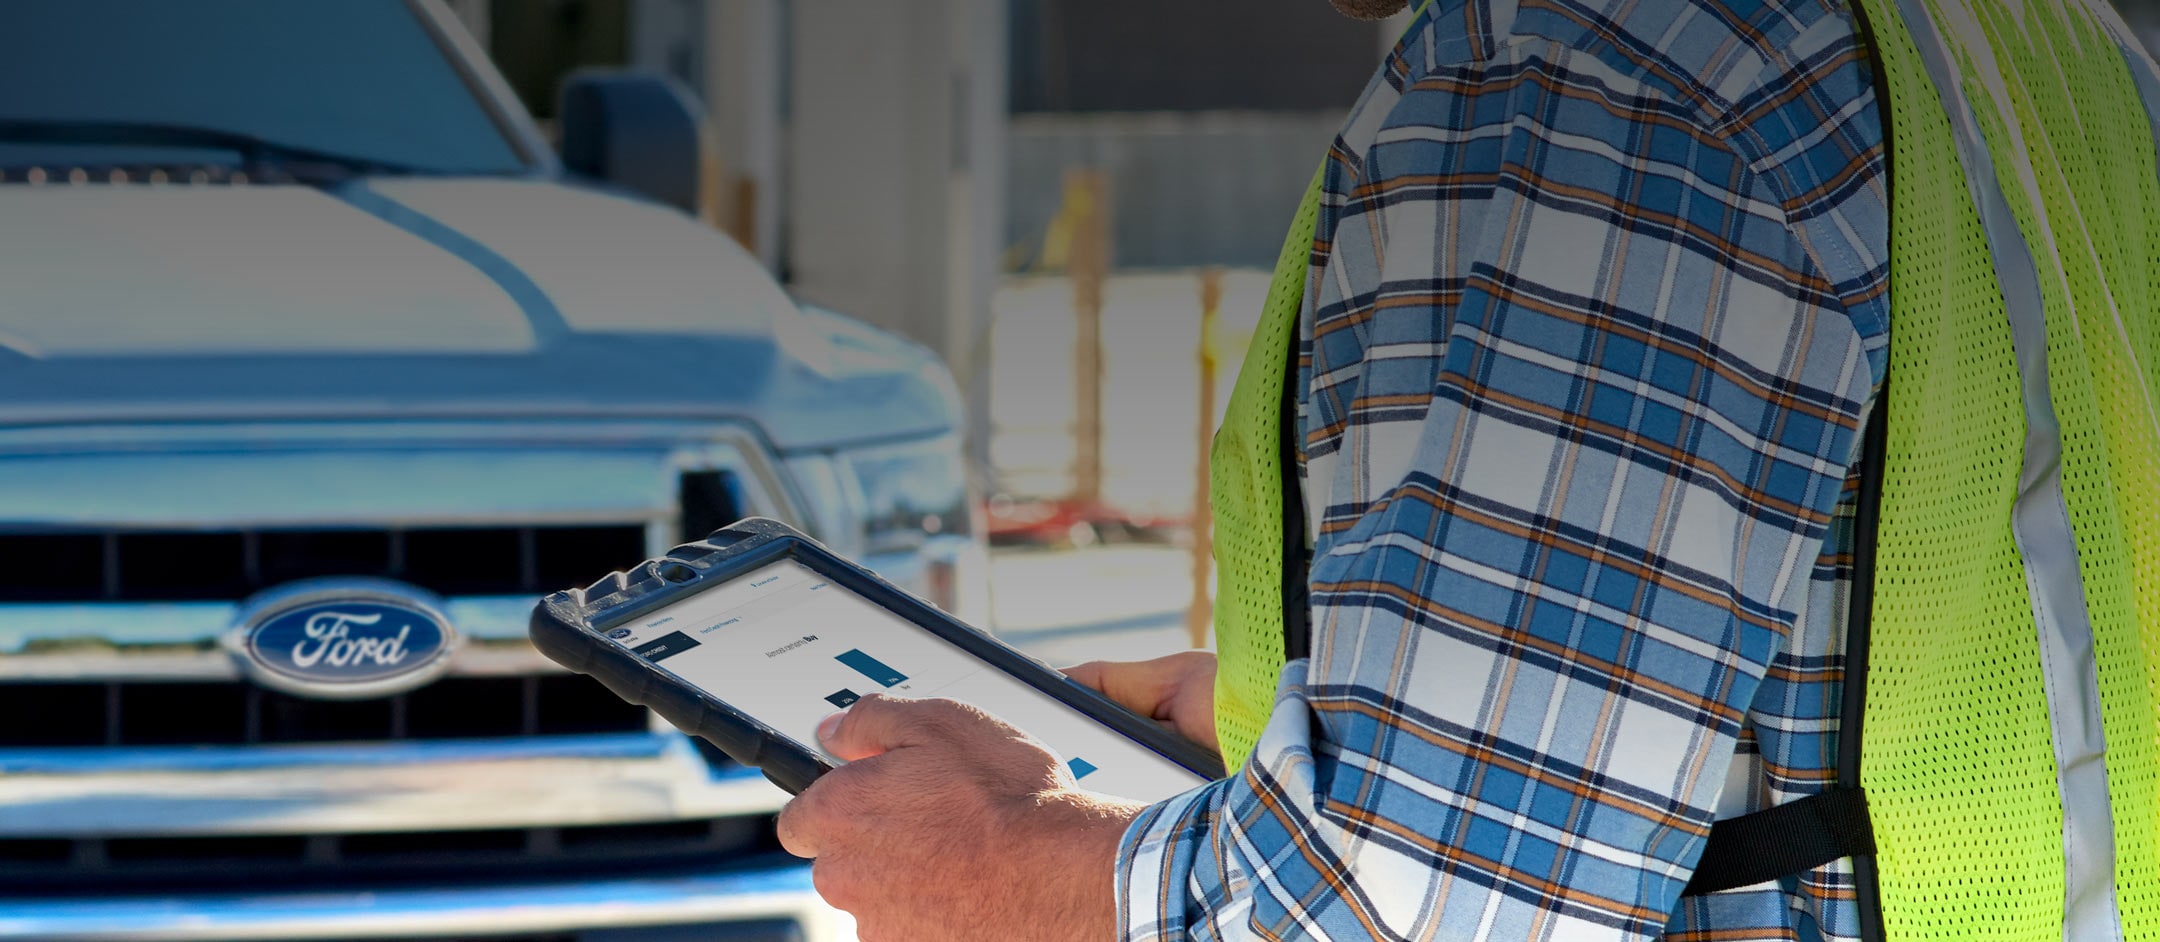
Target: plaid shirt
<point x="1596" y="308"/>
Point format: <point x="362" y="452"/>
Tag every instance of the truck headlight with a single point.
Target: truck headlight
<point x="910" y="494"/>
<point x="906" y="513"/>
<point x="913" y="520"/>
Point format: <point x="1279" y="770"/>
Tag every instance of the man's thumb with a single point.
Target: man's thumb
<point x="874" y="725"/>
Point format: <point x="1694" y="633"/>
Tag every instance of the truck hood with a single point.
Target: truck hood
<point x="413" y="298"/>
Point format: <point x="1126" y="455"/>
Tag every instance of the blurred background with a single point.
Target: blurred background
<point x="1071" y="201"/>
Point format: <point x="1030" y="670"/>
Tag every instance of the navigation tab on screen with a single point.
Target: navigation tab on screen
<point x="666" y="646"/>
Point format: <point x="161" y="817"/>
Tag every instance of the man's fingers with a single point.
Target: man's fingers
<point x="1134" y="685"/>
<point x="808" y="825"/>
<point x="1091" y="675"/>
<point x="1144" y="687"/>
<point x="1178" y="689"/>
<point x="798" y="826"/>
<point x="877" y="724"/>
<point x="835" y="883"/>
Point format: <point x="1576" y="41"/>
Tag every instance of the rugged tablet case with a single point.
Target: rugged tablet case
<point x="557" y="629"/>
<point x="566" y="625"/>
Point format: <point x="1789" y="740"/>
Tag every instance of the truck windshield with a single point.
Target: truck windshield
<point x="362" y="80"/>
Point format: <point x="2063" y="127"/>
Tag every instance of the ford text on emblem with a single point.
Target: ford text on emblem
<point x="343" y="638"/>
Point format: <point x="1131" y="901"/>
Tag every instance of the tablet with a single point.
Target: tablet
<point x="753" y="636"/>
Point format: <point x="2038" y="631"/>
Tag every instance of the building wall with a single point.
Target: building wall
<point x="1187" y="55"/>
<point x="1186" y="189"/>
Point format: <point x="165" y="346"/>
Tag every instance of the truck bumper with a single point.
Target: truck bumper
<point x="775" y="904"/>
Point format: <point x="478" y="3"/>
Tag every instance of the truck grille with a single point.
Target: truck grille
<point x="101" y="584"/>
<point x="217" y="714"/>
<point x="170" y="566"/>
<point x="93" y="865"/>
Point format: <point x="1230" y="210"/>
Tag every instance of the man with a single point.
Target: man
<point x="1599" y="303"/>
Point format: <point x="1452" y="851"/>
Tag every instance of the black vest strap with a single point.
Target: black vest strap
<point x="1833" y="824"/>
<point x="1807" y="833"/>
<point x="1297" y="557"/>
<point x="1794" y="837"/>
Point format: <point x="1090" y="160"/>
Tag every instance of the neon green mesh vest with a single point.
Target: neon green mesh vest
<point x="1959" y="748"/>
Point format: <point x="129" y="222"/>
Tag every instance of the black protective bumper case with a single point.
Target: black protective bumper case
<point x="563" y="629"/>
<point x="567" y="628"/>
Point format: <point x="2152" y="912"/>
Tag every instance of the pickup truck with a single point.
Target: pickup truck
<point x="297" y="302"/>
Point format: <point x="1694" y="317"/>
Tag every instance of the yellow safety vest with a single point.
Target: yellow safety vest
<point x="2025" y="217"/>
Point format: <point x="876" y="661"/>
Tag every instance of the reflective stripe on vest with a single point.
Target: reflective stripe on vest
<point x="2011" y="718"/>
<point x="2014" y="702"/>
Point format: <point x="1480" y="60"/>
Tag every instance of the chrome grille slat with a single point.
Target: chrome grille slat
<point x="120" y="714"/>
<point x="196" y="565"/>
<point x="109" y="864"/>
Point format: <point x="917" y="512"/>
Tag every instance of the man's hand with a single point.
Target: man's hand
<point x="946" y="823"/>
<point x="1178" y="690"/>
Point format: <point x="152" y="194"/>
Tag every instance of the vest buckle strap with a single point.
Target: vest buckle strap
<point x="1792" y="838"/>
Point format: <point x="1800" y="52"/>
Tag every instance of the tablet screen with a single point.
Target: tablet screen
<point x="788" y="647"/>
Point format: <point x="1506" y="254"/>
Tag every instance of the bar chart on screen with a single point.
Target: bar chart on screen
<point x="788" y="647"/>
<point x="872" y="668"/>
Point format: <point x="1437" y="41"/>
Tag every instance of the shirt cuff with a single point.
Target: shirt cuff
<point x="1176" y="877"/>
<point x="1155" y="865"/>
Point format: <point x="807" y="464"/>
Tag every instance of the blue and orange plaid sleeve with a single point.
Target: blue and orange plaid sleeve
<point x="1595" y="313"/>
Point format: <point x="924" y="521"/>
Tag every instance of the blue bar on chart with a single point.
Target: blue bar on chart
<point x="872" y="668"/>
<point x="1081" y="768"/>
<point x="843" y="699"/>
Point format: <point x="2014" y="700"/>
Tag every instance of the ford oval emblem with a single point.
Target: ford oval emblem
<point x="343" y="638"/>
